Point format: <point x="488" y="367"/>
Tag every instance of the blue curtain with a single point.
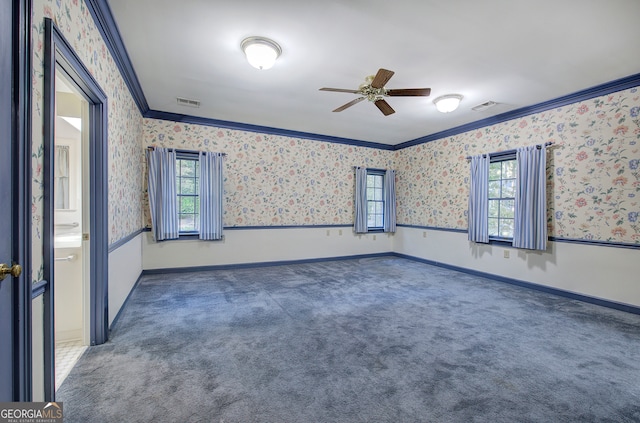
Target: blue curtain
<point x="478" y="213"/>
<point x="211" y="194"/>
<point x="162" y="193"/>
<point x="530" y="223"/>
<point x="390" y="201"/>
<point x="360" y="222"/>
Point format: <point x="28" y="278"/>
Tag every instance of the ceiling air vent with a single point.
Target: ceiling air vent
<point x="484" y="106"/>
<point x="187" y="102"/>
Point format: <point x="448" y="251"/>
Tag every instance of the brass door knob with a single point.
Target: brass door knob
<point x="14" y="270"/>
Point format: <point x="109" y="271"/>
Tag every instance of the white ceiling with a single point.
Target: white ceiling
<point x="517" y="53"/>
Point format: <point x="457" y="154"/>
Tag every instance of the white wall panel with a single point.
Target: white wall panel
<point x="125" y="266"/>
<point x="607" y="273"/>
<point x="263" y="245"/>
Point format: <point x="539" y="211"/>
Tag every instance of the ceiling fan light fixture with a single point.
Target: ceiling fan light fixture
<point x="447" y="103"/>
<point x="261" y="52"/>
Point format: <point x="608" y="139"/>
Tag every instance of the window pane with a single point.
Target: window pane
<point x="509" y="188"/>
<point x="506" y="228"/>
<point x="494" y="189"/>
<point x="495" y="171"/>
<point x="494" y="208"/>
<point x="371" y="194"/>
<point x="187" y="167"/>
<point x="371" y="208"/>
<point x="187" y="205"/>
<point x="493" y="227"/>
<point x="379" y="221"/>
<point x="371" y="221"/>
<point x="379" y="208"/>
<point x="187" y="186"/>
<point x="506" y="208"/>
<point x="509" y="169"/>
<point x="187" y="223"/>
<point x="378" y="195"/>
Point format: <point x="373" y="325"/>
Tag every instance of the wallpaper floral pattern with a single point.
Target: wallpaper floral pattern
<point x="593" y="169"/>
<point x="124" y="119"/>
<point x="273" y="180"/>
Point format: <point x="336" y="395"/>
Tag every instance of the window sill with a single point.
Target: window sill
<point x="194" y="237"/>
<point x="504" y="242"/>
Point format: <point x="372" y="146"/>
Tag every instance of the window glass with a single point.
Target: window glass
<point x="187" y="188"/>
<point x="502" y="186"/>
<point x="375" y="200"/>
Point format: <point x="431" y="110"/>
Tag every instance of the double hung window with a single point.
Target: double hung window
<point x="375" y="200"/>
<point x="501" y="193"/>
<point x="187" y="193"/>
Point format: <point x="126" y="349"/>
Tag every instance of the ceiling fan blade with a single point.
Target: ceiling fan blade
<point x="340" y="90"/>
<point x="382" y="77"/>
<point x="349" y="104"/>
<point x="409" y="92"/>
<point x="384" y="107"/>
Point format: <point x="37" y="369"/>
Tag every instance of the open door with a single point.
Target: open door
<point x="15" y="292"/>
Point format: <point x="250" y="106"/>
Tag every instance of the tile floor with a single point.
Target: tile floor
<point x="67" y="355"/>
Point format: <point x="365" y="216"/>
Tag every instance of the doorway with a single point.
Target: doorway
<point x="70" y="216"/>
<point x="75" y="204"/>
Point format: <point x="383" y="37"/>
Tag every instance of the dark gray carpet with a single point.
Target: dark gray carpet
<point x="371" y="340"/>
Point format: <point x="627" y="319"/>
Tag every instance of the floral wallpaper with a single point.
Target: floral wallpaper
<point x="593" y="169"/>
<point x="125" y="121"/>
<point x="273" y="180"/>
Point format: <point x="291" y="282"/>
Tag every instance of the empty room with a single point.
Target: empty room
<point x="342" y="211"/>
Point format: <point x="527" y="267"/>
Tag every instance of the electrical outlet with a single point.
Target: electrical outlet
<point x="424" y="234"/>
<point x="506" y="253"/>
<point x="374" y="237"/>
<point x="340" y="232"/>
<point x="328" y="232"/>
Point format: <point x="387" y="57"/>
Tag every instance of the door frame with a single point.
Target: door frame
<point x="21" y="198"/>
<point x="60" y="56"/>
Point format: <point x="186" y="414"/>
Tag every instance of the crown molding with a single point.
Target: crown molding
<point x="176" y="117"/>
<point x="589" y="93"/>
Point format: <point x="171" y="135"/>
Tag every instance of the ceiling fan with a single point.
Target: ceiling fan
<point x="373" y="90"/>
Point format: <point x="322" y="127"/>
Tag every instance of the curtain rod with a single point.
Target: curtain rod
<point x="177" y="150"/>
<point x="371" y="168"/>
<point x="546" y="144"/>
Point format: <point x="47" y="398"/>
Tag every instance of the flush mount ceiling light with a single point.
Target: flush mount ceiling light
<point x="261" y="52"/>
<point x="447" y="103"/>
